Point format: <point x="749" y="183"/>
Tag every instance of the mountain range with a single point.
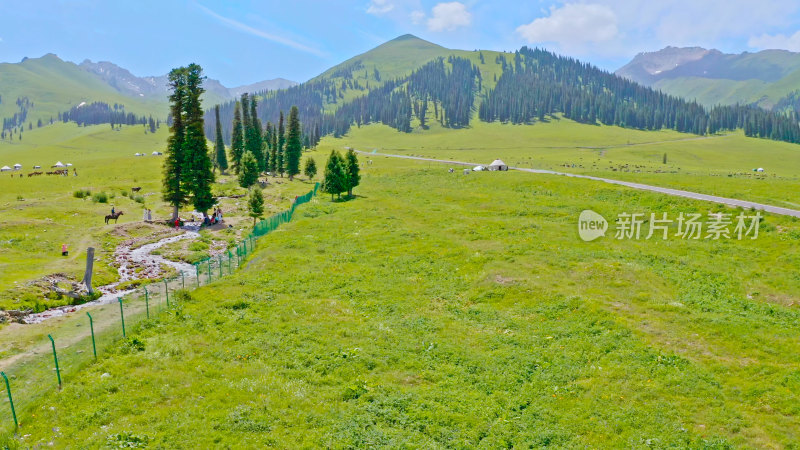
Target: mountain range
<point x="53" y="85"/>
<point x="713" y="77"/>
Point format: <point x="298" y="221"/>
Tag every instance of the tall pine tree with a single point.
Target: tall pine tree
<point x="173" y="190"/>
<point x="270" y="163"/>
<point x="221" y="159"/>
<point x="237" y="139"/>
<point x="294" y="145"/>
<point x="197" y="164"/>
<point x="351" y="169"/>
<point x="281" y="165"/>
<point x="254" y="143"/>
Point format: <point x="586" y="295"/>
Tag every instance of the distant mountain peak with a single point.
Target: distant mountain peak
<point x="649" y="68"/>
<point x="406" y="37"/>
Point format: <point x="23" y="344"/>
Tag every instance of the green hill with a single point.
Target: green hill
<point x="54" y="86"/>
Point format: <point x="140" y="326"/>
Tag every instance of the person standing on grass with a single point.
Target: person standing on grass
<point x="149" y="215"/>
<point x="64" y="250"/>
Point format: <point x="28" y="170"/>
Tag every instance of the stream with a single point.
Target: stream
<point x="134" y="264"/>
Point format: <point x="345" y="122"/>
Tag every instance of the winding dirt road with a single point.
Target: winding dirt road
<point x="645" y="187"/>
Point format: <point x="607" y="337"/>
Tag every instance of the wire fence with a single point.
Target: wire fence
<point x="53" y="360"/>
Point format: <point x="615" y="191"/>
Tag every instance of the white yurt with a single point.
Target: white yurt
<point x="17" y="166"/>
<point x="478" y="168"/>
<point x="5" y="169"/>
<point x="760" y="169"/>
<point x="498" y="165"/>
<point x="37" y="167"/>
<point x="69" y="164"/>
<point x="59" y="164"/>
<point x="156" y="153"/>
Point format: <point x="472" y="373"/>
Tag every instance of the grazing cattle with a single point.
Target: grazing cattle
<point x="136" y="189"/>
<point x="114" y="216"/>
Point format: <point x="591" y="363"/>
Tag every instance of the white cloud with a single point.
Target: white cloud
<point x="259" y="33"/>
<point x="573" y="24"/>
<point x="449" y="16"/>
<point x="417" y="17"/>
<point x="378" y="7"/>
<point x="776" y="41"/>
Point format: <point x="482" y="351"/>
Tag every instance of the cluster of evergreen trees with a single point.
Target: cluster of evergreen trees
<point x="540" y="84"/>
<point x="255" y="149"/>
<point x="341" y="174"/>
<point x="24" y="104"/>
<point x="188" y="172"/>
<point x="97" y="113"/>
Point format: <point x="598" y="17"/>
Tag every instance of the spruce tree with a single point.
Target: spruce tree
<point x="352" y="177"/>
<point x="198" y="175"/>
<point x="274" y="153"/>
<point x="294" y="145"/>
<point x="281" y="164"/>
<point x="248" y="171"/>
<point x="173" y="190"/>
<point x="219" y="146"/>
<point x="237" y="139"/>
<point x="310" y="168"/>
<point x="268" y="149"/>
<point x="255" y="204"/>
<point x="334" y="182"/>
<point x="253" y="141"/>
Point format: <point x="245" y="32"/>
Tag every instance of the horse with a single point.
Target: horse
<point x="114" y="216"/>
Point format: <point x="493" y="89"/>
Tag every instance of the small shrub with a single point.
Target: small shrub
<point x="82" y="193"/>
<point x="138" y="199"/>
<point x="198" y="246"/>
<point x="127" y="440"/>
<point x="133" y="344"/>
<point x="100" y="197"/>
<point x="124" y="193"/>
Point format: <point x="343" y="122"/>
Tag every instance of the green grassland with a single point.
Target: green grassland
<point x="717" y="165"/>
<point x="441" y="310"/>
<point x="40" y="213"/>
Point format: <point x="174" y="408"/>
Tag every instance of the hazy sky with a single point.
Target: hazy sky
<point x="246" y="41"/>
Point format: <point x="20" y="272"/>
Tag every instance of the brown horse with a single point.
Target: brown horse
<point x="114" y="216"/>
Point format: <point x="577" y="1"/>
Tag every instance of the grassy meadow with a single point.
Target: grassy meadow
<point x="441" y="310"/>
<point x="717" y="165"/>
<point x="42" y="212"/>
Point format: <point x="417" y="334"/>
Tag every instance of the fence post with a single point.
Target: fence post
<point x="10" y="400"/>
<point x="219" y="259"/>
<point x="166" y="291"/>
<point x="55" y="358"/>
<point x="122" y="315"/>
<point x="183" y="281"/>
<point x="147" y="301"/>
<point x="197" y="269"/>
<point x="94" y="345"/>
<point x="209" y="270"/>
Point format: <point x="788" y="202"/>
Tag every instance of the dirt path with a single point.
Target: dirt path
<point x="645" y="187"/>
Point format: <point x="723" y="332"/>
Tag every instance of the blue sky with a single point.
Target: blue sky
<point x="241" y="42"/>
